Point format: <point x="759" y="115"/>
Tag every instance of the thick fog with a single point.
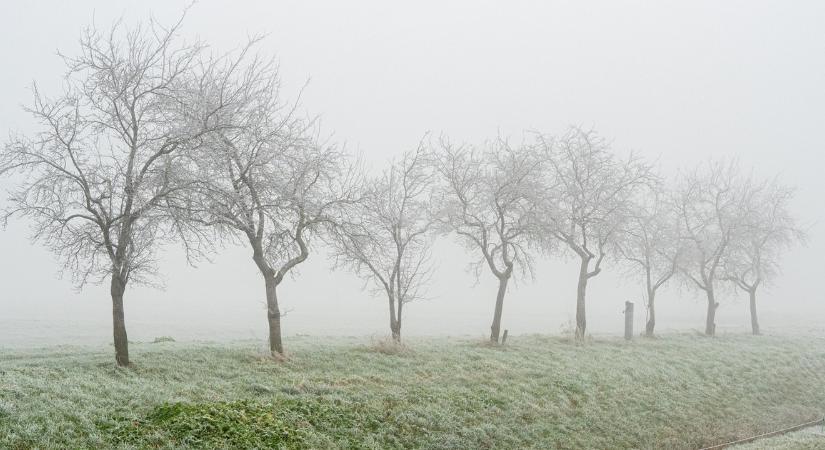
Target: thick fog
<point x="678" y="82"/>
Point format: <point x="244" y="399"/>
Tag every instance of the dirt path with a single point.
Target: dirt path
<point x="807" y="439"/>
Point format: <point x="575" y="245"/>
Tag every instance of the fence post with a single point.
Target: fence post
<point x="628" y="320"/>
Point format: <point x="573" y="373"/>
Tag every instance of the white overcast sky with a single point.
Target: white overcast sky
<point x="676" y="81"/>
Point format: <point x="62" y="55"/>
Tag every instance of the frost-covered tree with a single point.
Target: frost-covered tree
<point x="388" y="239"/>
<point x="710" y="201"/>
<point x="592" y="194"/>
<point x="99" y="179"/>
<point x="768" y="230"/>
<point x="489" y="198"/>
<point x="267" y="179"/>
<point x="652" y="246"/>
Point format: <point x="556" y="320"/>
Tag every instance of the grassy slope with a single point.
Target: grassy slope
<point x="538" y="392"/>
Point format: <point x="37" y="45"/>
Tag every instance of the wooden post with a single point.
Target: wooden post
<point x="504" y="338"/>
<point x="628" y="320"/>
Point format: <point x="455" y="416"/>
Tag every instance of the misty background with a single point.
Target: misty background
<point x="678" y="82"/>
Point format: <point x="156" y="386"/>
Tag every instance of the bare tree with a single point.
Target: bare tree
<point x="388" y="241"/>
<point x="767" y="231"/>
<point x="592" y="194"/>
<point x="651" y="244"/>
<point x="489" y="198"/>
<point x="267" y="178"/>
<point x="99" y="180"/>
<point x="709" y="201"/>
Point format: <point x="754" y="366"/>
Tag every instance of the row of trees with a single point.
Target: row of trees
<point x="157" y="140"/>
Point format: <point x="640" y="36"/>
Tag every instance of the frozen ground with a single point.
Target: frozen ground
<point x="677" y="391"/>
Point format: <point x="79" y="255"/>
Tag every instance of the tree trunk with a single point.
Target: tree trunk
<point x="754" y="319"/>
<point x="581" y="317"/>
<point x="119" y="322"/>
<point x="395" y="318"/>
<point x="397" y="335"/>
<point x="651" y="313"/>
<point x="276" y="347"/>
<point x="710" y="324"/>
<point x="395" y="328"/>
<point x="495" y="329"/>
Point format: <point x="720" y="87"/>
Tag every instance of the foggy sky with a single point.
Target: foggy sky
<point x="676" y="81"/>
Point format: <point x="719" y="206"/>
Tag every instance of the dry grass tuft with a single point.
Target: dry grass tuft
<point x="388" y="346"/>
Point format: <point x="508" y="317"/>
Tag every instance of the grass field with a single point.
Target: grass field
<point x="677" y="391"/>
